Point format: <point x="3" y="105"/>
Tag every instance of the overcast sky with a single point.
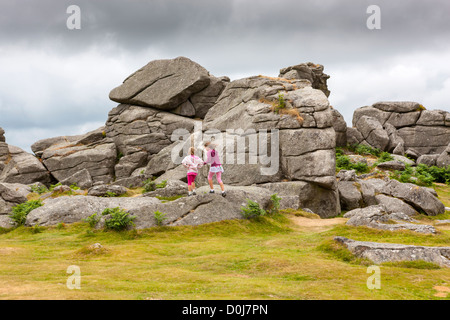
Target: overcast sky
<point x="55" y="81"/>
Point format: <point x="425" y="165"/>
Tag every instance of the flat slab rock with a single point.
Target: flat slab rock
<point x="391" y="252"/>
<point x="194" y="210"/>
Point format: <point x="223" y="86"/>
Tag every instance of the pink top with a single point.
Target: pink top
<point x="192" y="163"/>
<point x="212" y="157"/>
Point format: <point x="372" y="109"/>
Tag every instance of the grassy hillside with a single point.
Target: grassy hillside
<point x="286" y="256"/>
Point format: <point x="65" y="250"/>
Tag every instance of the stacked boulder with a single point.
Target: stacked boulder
<point x="19" y="166"/>
<point x="178" y="85"/>
<point x="395" y="196"/>
<point x="401" y="128"/>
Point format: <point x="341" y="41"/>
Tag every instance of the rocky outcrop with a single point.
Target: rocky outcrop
<point x="308" y="71"/>
<point x="194" y="210"/>
<point x="136" y="129"/>
<point x="391" y="252"/>
<point x="410" y="199"/>
<point x="67" y="157"/>
<point x="407" y="125"/>
<point x="179" y="85"/>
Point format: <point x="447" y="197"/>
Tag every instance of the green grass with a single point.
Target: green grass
<point x="266" y="257"/>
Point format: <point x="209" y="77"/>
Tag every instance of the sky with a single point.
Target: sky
<point x="56" y="81"/>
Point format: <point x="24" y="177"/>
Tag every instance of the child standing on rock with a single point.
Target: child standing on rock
<point x="192" y="163"/>
<point x="212" y="158"/>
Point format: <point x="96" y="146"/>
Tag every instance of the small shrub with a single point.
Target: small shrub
<point x="384" y="157"/>
<point x="36" y="229"/>
<point x="275" y="205"/>
<point x="110" y="194"/>
<point x="161" y="185"/>
<point x="343" y="163"/>
<point x="92" y="220"/>
<point x="60" y="225"/>
<point x="119" y="220"/>
<point x="53" y="186"/>
<point x="74" y="186"/>
<point x="281" y="103"/>
<point x="19" y="212"/>
<point x="159" y="217"/>
<point x="364" y="150"/>
<point x="252" y="209"/>
<point x="149" y="185"/>
<point x="39" y="189"/>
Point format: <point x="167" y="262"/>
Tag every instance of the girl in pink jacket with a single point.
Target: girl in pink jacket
<point x="192" y="163"/>
<point x="212" y="158"/>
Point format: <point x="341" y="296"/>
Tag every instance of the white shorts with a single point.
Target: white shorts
<point x="216" y="169"/>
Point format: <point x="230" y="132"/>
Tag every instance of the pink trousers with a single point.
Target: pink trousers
<point x="218" y="176"/>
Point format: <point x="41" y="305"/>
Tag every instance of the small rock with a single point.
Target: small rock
<point x="392" y="165"/>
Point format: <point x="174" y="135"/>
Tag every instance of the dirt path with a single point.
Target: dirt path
<point x="317" y="225"/>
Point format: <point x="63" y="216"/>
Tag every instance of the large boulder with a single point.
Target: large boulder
<point x="393" y="205"/>
<point x="419" y="198"/>
<point x="81" y="178"/>
<point x="376" y="217"/>
<point x="98" y="156"/>
<point x="300" y="194"/>
<point x="194" y="210"/>
<point x="12" y="194"/>
<point x="349" y="195"/>
<point x="23" y="167"/>
<point x="179" y="84"/>
<point x="373" y="132"/>
<point x="391" y="252"/>
<point x="340" y="127"/>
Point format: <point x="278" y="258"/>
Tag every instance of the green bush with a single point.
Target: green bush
<point x="440" y="175"/>
<point x="343" y="163"/>
<point x="39" y="189"/>
<point x="119" y="220"/>
<point x="423" y="175"/>
<point x="53" y="186"/>
<point x="281" y="103"/>
<point x="252" y="209"/>
<point x="74" y="186"/>
<point x="149" y="185"/>
<point x="159" y="217"/>
<point x="92" y="220"/>
<point x="384" y="157"/>
<point x="275" y="205"/>
<point x="364" y="150"/>
<point x="161" y="185"/>
<point x="19" y="212"/>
